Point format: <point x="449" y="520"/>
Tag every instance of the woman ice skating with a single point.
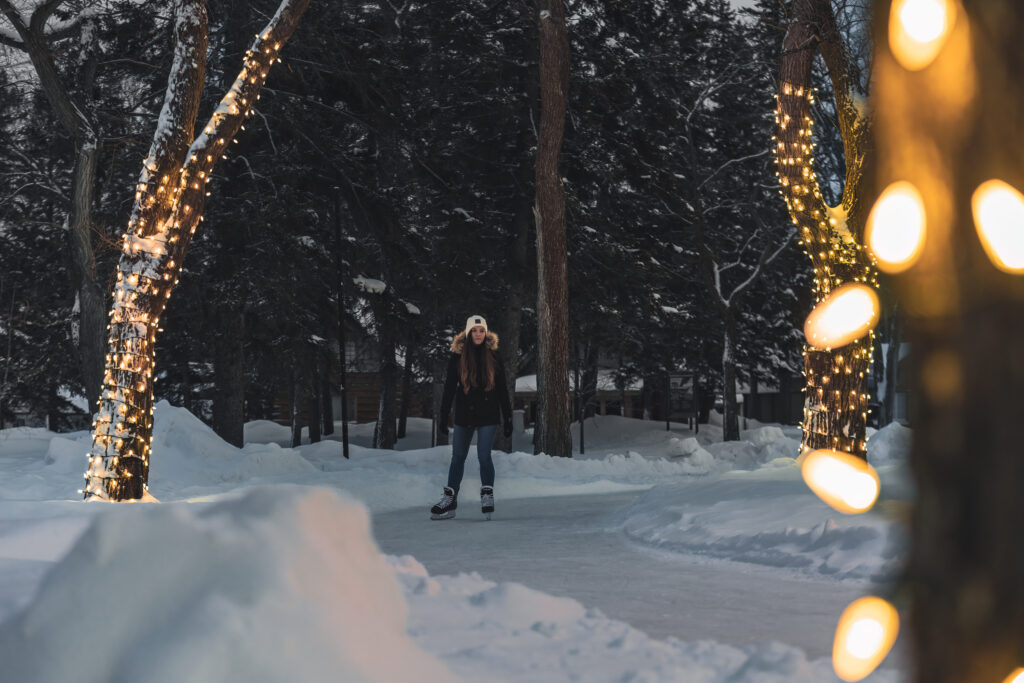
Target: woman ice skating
<point x="476" y="381"/>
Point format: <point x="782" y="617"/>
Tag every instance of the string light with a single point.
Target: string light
<point x="896" y="227"/>
<point x="847" y="483"/>
<point x="918" y="29"/>
<point x="1016" y="677"/>
<point x="999" y="219"/>
<point x="835" y="407"/>
<point x="123" y="429"/>
<point x="848" y="313"/>
<point x="866" y="632"/>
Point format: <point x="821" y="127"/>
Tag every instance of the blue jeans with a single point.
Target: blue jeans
<point x="461" y="436"/>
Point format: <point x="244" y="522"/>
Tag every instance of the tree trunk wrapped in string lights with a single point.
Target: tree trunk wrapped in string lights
<point x="835" y="401"/>
<point x="169" y="200"/>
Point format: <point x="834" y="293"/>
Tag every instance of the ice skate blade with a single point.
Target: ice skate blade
<point x="444" y="515"/>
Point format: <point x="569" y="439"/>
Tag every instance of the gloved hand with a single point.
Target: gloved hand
<point x="508" y="428"/>
<point x="442" y="428"/>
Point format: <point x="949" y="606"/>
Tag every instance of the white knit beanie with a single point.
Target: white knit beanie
<point x="474" y="320"/>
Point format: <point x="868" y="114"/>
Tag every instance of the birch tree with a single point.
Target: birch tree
<point x="169" y="199"/>
<point x="835" y="400"/>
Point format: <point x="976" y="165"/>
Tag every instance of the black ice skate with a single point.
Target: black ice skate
<point x="487" y="501"/>
<point x="445" y="508"/>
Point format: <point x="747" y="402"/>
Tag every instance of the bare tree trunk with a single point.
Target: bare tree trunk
<point x="947" y="129"/>
<point x="326" y="400"/>
<point x="835" y="401"/>
<point x="229" y="377"/>
<point x="403" y="411"/>
<point x="92" y="303"/>
<point x="552" y="283"/>
<point x="512" y="321"/>
<point x="169" y="200"/>
<point x="313" y="406"/>
<point x="589" y="378"/>
<point x="730" y="420"/>
<point x="438" y="374"/>
<point x="384" y="431"/>
<point x="296" y="411"/>
<point x="4" y="386"/>
<point x="892" y="364"/>
<point x="34" y="40"/>
<point x="518" y="254"/>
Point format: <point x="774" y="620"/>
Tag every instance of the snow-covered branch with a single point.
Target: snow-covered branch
<point x="763" y="263"/>
<point x="730" y="162"/>
<point x="174" y="129"/>
<point x="41" y="14"/>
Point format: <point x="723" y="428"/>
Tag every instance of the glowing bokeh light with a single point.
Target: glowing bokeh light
<point x="999" y="219"/>
<point x="844" y="481"/>
<point x="865" y="634"/>
<point x="848" y="313"/>
<point x="918" y="29"/>
<point x="896" y="227"/>
<point x="1016" y="677"/>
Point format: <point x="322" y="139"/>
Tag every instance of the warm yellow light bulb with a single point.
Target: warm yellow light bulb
<point x="1016" y="677"/>
<point x="846" y="482"/>
<point x="896" y="227"/>
<point x="999" y="219"/>
<point x="865" y="634"/>
<point x="918" y="29"/>
<point x="848" y="313"/>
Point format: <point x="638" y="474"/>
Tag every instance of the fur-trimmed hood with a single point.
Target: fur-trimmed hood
<point x="459" y="343"/>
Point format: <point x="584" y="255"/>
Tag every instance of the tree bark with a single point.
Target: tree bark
<point x="169" y="199"/>
<point x="730" y="419"/>
<point x="384" y="431"/>
<point x="892" y="365"/>
<point x="313" y="407"/>
<point x="403" y="411"/>
<point x="552" y="284"/>
<point x="518" y="264"/>
<point x="326" y="400"/>
<point x="229" y="377"/>
<point x="835" y="400"/>
<point x="296" y="411"/>
<point x="438" y="374"/>
<point x="72" y="118"/>
<point x="948" y="128"/>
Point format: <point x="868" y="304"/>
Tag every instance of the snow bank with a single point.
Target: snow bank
<point x="757" y="447"/>
<point x="278" y="584"/>
<point x="186" y="452"/>
<point x="766" y="517"/>
<point x="890" y="445"/>
<point x="690" y="449"/>
<point x="508" y="632"/>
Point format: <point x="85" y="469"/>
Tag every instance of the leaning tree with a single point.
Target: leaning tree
<point x="835" y="400"/>
<point x="949" y="104"/>
<point x="169" y="200"/>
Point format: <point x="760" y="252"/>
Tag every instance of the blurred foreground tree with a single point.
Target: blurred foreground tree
<point x="948" y="122"/>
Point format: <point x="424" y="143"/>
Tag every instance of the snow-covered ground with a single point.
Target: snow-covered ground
<point x="658" y="556"/>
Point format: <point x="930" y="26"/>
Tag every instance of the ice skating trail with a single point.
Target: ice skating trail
<point x="562" y="546"/>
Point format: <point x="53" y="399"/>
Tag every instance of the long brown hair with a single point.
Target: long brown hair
<point x="470" y="373"/>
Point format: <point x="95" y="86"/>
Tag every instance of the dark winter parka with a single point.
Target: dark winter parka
<point x="478" y="407"/>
